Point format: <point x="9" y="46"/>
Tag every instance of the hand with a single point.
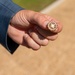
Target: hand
<point x="29" y="28"/>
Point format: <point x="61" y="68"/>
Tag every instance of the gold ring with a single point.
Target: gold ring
<point x="52" y="26"/>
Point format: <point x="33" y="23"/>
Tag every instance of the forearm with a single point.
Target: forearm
<point x="7" y="10"/>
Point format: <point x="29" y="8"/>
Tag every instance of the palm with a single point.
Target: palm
<point x="16" y="34"/>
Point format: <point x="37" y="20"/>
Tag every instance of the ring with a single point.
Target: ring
<point x="52" y="26"/>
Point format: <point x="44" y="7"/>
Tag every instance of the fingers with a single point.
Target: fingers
<point x="46" y="33"/>
<point x="34" y="40"/>
<point x="30" y="42"/>
<point x="40" y="20"/>
<point x="53" y="20"/>
<point x="47" y="28"/>
<point x="27" y="18"/>
<point x="43" y="20"/>
<point x="38" y="38"/>
<point x="54" y="26"/>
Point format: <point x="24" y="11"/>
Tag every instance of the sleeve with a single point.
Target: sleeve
<point x="7" y="10"/>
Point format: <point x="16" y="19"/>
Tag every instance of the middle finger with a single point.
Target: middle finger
<point x="46" y="33"/>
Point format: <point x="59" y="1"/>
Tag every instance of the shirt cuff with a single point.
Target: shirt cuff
<point x="7" y="10"/>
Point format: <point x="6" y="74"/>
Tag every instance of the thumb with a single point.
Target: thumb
<point x="46" y="22"/>
<point x="27" y="18"/>
<point x="54" y="26"/>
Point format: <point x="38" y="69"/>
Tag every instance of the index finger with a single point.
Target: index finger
<point x="48" y="24"/>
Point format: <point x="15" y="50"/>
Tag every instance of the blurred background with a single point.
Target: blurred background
<point x="58" y="58"/>
<point x="35" y="5"/>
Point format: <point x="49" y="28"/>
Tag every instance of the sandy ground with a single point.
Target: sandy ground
<point x="58" y="58"/>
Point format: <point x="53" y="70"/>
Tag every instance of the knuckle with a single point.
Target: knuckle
<point x="33" y="45"/>
<point x="36" y="15"/>
<point x="39" y="17"/>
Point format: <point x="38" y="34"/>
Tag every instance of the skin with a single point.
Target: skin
<point x="29" y="28"/>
